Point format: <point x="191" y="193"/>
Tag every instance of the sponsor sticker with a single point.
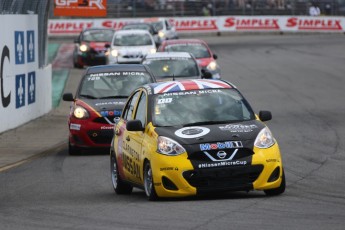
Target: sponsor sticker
<point x="192" y="132"/>
<point x="74" y="126"/>
<point x="238" y="128"/>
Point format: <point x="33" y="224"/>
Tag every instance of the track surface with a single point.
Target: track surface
<point x="299" y="78"/>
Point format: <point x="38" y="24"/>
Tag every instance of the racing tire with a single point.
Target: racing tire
<point x="148" y="183"/>
<point x="279" y="190"/>
<point x="73" y="150"/>
<point x="119" y="186"/>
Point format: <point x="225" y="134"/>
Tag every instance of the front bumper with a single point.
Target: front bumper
<point x="174" y="176"/>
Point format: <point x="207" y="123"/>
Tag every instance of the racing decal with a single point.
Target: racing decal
<point x="221" y="145"/>
<point x="92" y="75"/>
<point x="238" y="128"/>
<point x="192" y="132"/>
<point x="222" y="164"/>
<point x="115" y="113"/>
<point x="74" y="126"/>
<point x="131" y="159"/>
<point x="164" y="100"/>
<point x="110" y="103"/>
<point x="165" y="87"/>
<point x="169" y="169"/>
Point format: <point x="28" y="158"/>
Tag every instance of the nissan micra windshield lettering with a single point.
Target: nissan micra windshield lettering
<point x="200" y="107"/>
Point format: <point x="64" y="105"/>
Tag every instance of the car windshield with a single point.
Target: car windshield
<point x="112" y="85"/>
<point x="98" y="35"/>
<point x="158" y="25"/>
<point x="137" y="27"/>
<point x="198" y="50"/>
<point x="198" y="107"/>
<point x="132" y="40"/>
<point x="172" y="67"/>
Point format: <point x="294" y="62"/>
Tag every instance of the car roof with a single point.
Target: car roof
<point x="184" y="41"/>
<point x="186" y="85"/>
<point x="169" y="54"/>
<point x="132" y="32"/>
<point x="98" y="28"/>
<point x="116" y="67"/>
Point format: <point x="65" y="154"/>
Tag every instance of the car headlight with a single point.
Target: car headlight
<point x="80" y="112"/>
<point x="114" y="53"/>
<point x="264" y="139"/>
<point x="83" y="48"/>
<point x="161" y="34"/>
<point x="152" y="51"/>
<point x="212" y="66"/>
<point x="169" y="147"/>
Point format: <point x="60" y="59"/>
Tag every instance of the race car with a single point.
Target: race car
<point x="90" y="47"/>
<point x="193" y="137"/>
<point x="100" y="97"/>
<point x="166" y="30"/>
<point x="174" y="65"/>
<point x="200" y="50"/>
<point x="143" y="26"/>
<point x="130" y="46"/>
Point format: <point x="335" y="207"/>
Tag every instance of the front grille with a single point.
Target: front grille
<point x="235" y="178"/>
<point x="206" y="156"/>
<point x="103" y="120"/>
<point x="101" y="136"/>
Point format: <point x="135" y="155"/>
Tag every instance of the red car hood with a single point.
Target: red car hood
<point x="98" y="45"/>
<point x="203" y="62"/>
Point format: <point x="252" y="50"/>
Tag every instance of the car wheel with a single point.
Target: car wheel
<point x="277" y="191"/>
<point x="119" y="186"/>
<point x="76" y="64"/>
<point x="73" y="150"/>
<point x="148" y="182"/>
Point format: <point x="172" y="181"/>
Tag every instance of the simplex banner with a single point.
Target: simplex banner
<point x="67" y="27"/>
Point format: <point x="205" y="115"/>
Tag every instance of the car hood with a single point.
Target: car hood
<point x="203" y="62"/>
<point x="98" y="45"/>
<point x="217" y="133"/>
<point x="133" y="49"/>
<point x="104" y="105"/>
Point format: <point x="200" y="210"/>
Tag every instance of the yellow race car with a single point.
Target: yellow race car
<point x="193" y="137"/>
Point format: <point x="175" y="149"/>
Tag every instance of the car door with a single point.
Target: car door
<point x="135" y="139"/>
<point x="123" y="146"/>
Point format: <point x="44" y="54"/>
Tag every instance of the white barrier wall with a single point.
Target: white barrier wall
<point x="25" y="90"/>
<point x="66" y="27"/>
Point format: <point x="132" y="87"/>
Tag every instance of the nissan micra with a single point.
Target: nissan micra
<point x="193" y="137"/>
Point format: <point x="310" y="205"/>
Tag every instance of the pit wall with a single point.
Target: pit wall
<point x="25" y="89"/>
<point x="187" y="25"/>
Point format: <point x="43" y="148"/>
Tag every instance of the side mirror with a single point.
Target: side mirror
<point x="206" y="74"/>
<point x="215" y="56"/>
<point x="107" y="46"/>
<point x="265" y="115"/>
<point x="134" y="125"/>
<point x="68" y="97"/>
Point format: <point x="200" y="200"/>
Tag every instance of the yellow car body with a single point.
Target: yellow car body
<point x="210" y="158"/>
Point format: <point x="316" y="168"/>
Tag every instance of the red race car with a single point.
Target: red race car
<point x="98" y="103"/>
<point x="90" y="47"/>
<point x="200" y="50"/>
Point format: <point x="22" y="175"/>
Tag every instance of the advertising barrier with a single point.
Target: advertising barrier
<point x="67" y="27"/>
<point x="25" y="89"/>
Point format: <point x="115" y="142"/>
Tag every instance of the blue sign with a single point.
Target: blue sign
<point x="20" y="90"/>
<point x="31" y="87"/>
<point x="30" y="45"/>
<point x="19" y="47"/>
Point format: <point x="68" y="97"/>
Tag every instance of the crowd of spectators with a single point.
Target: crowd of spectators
<point x="223" y="7"/>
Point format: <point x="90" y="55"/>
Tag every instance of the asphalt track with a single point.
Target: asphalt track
<point x="299" y="78"/>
